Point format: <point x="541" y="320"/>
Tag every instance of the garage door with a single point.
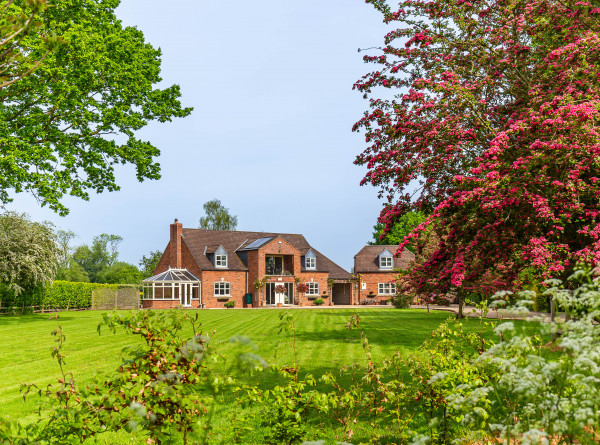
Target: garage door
<point x="342" y="293"/>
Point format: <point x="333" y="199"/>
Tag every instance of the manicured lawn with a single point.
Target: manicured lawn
<point x="323" y="343"/>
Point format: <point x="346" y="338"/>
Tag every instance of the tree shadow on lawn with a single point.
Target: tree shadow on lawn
<point x="382" y="328"/>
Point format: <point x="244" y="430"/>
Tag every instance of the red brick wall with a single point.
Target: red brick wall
<point x="254" y="274"/>
<point x="175" y="244"/>
<point x="280" y="246"/>
<point x="165" y="260"/>
<point x="238" y="287"/>
<point x="372" y="280"/>
<point x="317" y="277"/>
<point x="165" y="304"/>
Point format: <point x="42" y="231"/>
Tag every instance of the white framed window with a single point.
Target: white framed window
<point x="313" y="288"/>
<point x="386" y="288"/>
<point x="221" y="260"/>
<point x="310" y="260"/>
<point x="222" y="289"/>
<point x="386" y="262"/>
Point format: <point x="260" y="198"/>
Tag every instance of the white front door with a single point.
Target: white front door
<point x="279" y="297"/>
<point x="185" y="294"/>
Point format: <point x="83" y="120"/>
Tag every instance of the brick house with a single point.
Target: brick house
<point x="208" y="268"/>
<point x="377" y="270"/>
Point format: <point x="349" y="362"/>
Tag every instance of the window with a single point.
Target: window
<point x="386" y="262"/>
<point x="387" y="288"/>
<point x="221" y="260"/>
<point x="310" y="260"/>
<point x="313" y="288"/>
<point x="222" y="289"/>
<point x="273" y="265"/>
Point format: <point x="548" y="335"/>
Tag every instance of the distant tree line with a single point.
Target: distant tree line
<point x="33" y="254"/>
<point x="99" y="262"/>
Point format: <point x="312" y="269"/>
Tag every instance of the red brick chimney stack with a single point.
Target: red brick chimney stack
<point x="175" y="254"/>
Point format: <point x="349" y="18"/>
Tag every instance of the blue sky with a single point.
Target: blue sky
<point x="270" y="135"/>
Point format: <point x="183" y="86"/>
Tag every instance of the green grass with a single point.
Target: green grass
<point x="323" y="343"/>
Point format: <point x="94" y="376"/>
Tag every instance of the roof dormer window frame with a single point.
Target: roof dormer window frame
<point x="386" y="260"/>
<point x="310" y="260"/>
<point x="221" y="258"/>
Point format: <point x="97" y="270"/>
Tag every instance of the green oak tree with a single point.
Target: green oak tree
<point x="217" y="217"/>
<point x="63" y="241"/>
<point x="74" y="272"/>
<point x="102" y="254"/>
<point x="400" y="230"/>
<point x="120" y="272"/>
<point x="149" y="263"/>
<point x="66" y="125"/>
<point x="18" y="20"/>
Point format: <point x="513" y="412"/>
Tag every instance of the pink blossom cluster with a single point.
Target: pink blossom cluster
<point x="497" y="120"/>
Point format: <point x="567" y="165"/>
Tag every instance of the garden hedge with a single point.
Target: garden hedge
<point x="60" y="295"/>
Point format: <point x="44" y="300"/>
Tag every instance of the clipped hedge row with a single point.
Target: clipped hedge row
<point x="65" y="294"/>
<point x="60" y="295"/>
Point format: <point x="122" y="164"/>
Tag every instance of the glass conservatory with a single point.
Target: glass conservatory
<point x="171" y="288"/>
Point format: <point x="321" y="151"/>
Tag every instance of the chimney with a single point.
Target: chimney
<point x="175" y="245"/>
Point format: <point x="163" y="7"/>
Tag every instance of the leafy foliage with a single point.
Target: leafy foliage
<point x="120" y="272"/>
<point x="148" y="264"/>
<point x="18" y="21"/>
<point x="536" y="397"/>
<point x="60" y="295"/>
<point x="497" y="121"/>
<point x="217" y="217"/>
<point x="401" y="301"/>
<point x="403" y="226"/>
<point x="65" y="125"/>
<point x="458" y="386"/>
<point x="28" y="254"/>
<point x="100" y="255"/>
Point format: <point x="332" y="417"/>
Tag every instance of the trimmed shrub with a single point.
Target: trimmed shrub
<point x="318" y="302"/>
<point x="65" y="294"/>
<point x="401" y="301"/>
<point x="230" y="304"/>
<point x="61" y="295"/>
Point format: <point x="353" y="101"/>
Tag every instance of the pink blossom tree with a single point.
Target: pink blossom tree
<point x="496" y="119"/>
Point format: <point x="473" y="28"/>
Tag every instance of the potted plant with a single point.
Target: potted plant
<point x="230" y="304"/>
<point x="259" y="285"/>
<point x="301" y="289"/>
<point x="280" y="289"/>
<point x="318" y="302"/>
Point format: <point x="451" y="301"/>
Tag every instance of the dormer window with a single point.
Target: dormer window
<point x="386" y="260"/>
<point x="310" y="260"/>
<point x="221" y="258"/>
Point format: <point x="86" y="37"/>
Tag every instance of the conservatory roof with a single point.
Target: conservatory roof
<point x="172" y="275"/>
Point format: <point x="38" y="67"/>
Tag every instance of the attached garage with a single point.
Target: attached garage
<point x="342" y="293"/>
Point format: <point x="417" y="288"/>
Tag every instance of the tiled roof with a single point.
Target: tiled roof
<point x="367" y="259"/>
<point x="197" y="239"/>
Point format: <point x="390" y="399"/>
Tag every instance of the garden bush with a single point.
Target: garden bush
<point x="401" y="301"/>
<point x="318" y="302"/>
<point x="60" y="295"/>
